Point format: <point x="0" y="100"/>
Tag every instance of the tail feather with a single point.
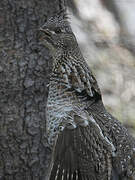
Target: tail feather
<point x="68" y="175"/>
<point x="60" y="173"/>
<point x="74" y="154"/>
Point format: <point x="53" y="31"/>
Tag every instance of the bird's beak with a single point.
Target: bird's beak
<point x="46" y="31"/>
<point x="46" y="37"/>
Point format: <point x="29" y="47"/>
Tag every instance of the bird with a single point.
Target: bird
<point x="88" y="143"/>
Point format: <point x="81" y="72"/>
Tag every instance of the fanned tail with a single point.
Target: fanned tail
<point x="74" y="154"/>
<point x="64" y="166"/>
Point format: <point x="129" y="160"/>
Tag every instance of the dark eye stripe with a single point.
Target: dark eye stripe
<point x="57" y="30"/>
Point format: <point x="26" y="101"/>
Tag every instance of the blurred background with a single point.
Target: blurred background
<point x="105" y="31"/>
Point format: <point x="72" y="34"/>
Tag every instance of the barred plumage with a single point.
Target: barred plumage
<point x="88" y="143"/>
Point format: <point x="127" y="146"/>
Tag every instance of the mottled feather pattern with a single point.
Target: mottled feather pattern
<point x="87" y="142"/>
<point x="67" y="109"/>
<point x="119" y="136"/>
<point x="76" y="74"/>
<point x="67" y="79"/>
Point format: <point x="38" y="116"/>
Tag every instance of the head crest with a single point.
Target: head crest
<point x="62" y="5"/>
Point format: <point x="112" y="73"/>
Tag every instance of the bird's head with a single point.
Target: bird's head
<point x="57" y="34"/>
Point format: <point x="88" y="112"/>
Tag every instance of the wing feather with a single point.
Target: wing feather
<point x="79" y="77"/>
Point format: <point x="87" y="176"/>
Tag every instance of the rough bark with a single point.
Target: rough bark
<point x="24" y="74"/>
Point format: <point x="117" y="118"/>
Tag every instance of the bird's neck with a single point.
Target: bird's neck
<point x="73" y="53"/>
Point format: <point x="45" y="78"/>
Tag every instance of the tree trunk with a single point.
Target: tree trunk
<point x="24" y="74"/>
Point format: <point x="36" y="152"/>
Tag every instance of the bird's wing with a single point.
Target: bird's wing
<point x="79" y="77"/>
<point x="82" y="79"/>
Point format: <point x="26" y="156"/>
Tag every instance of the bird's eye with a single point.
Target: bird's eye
<point x="57" y="30"/>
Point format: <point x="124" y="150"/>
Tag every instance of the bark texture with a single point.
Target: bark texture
<point x="24" y="74"/>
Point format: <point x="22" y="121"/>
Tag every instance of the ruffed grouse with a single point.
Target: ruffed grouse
<point x="88" y="143"/>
